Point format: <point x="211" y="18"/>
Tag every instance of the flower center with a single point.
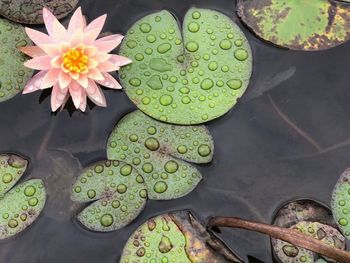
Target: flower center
<point x="74" y="60"/>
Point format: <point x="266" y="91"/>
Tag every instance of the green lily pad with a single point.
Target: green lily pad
<point x="341" y="203"/>
<point x="13" y="74"/>
<point x="190" y="79"/>
<point x="287" y="253"/>
<point x="176" y="237"/>
<point x="30" y="12"/>
<point x="155" y="149"/>
<point x="20" y="207"/>
<point x="12" y="167"/>
<point x="299" y="25"/>
<point x="120" y="193"/>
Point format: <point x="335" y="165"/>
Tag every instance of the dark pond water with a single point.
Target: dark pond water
<point x="261" y="160"/>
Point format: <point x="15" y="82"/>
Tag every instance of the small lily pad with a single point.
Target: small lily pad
<point x="12" y="167"/>
<point x="13" y="74"/>
<point x="120" y="193"/>
<point x="187" y="79"/>
<point x="176" y="237"/>
<point x="155" y="149"/>
<point x="341" y="203"/>
<point x="299" y="25"/>
<point x="20" y="207"/>
<point x="287" y="253"/>
<point x="30" y="12"/>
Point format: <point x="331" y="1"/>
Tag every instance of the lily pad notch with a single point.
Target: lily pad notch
<point x="187" y="76"/>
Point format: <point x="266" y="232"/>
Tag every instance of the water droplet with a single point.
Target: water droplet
<point x="151" y="224"/>
<point x="143" y="193"/>
<point x="241" y="54"/>
<point x="146" y="100"/>
<point x="149" y="51"/>
<point x="121" y="188"/>
<point x="145" y="28"/>
<point x="166" y="100"/>
<point x="151" y="38"/>
<point x="141" y="252"/>
<point x="225" y="44"/>
<point x="163" y="48"/>
<point x="290" y="251"/>
<point x="91" y="193"/>
<point x="160" y="65"/>
<point x="234" y="84"/>
<point x="106" y="220"/>
<point x="152" y="130"/>
<point x="23" y="217"/>
<point x="13" y="223"/>
<point x="77" y="189"/>
<point x="160" y="187"/>
<point x="155" y="82"/>
<point x="29" y="190"/>
<point x="196" y="15"/>
<point x="135" y="82"/>
<point x="115" y="204"/>
<point x="136" y="161"/>
<point x="171" y="167"/>
<point x="131" y="44"/>
<point x="33" y="201"/>
<point x="186" y="100"/>
<point x="147" y="168"/>
<point x="139" y="57"/>
<point x="193" y="27"/>
<point x="213" y="66"/>
<point x="207" y="84"/>
<point x="7" y="178"/>
<point x="126" y="170"/>
<point x="204" y="150"/>
<point x="192" y="46"/>
<point x="343" y="221"/>
<point x="182" y="149"/>
<point x="152" y="144"/>
<point x="133" y="138"/>
<point x="165" y="245"/>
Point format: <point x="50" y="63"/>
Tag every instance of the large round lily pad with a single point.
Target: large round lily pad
<point x="299" y="25"/>
<point x="20" y="207"/>
<point x="287" y="253"/>
<point x="156" y="150"/>
<point x="176" y="237"/>
<point x="187" y="79"/>
<point x="341" y="203"/>
<point x="12" y="167"/>
<point x="13" y="74"/>
<point x="30" y="12"/>
<point x="120" y="193"/>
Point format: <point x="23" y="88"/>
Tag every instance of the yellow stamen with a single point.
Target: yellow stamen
<point x="74" y="60"/>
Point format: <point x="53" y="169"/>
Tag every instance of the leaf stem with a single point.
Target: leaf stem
<point x="289" y="235"/>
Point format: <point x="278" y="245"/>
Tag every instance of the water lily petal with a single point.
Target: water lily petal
<point x="56" y="62"/>
<point x="98" y="24"/>
<point x="35" y="83"/>
<point x="38" y="37"/>
<point x="92" y="63"/>
<point x="32" y="51"/>
<point x="39" y="63"/>
<point x="77" y="37"/>
<point x="49" y="19"/>
<point x="50" y="79"/>
<point x="64" y="79"/>
<point x="75" y="91"/>
<point x="109" y="81"/>
<point x="95" y="94"/>
<point x="83" y="101"/>
<point x="83" y="80"/>
<point x="95" y="74"/>
<point x="50" y="49"/>
<point x="108" y="67"/>
<point x="101" y="57"/>
<point x="77" y="21"/>
<point x="58" y="97"/>
<point x="59" y="32"/>
<point x="119" y="60"/>
<point x="107" y="44"/>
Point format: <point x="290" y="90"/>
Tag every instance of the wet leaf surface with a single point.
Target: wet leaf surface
<point x="155" y="149"/>
<point x="20" y="207"/>
<point x="119" y="193"/>
<point x="310" y="218"/>
<point x="176" y="237"/>
<point x="30" y="12"/>
<point x="190" y="79"/>
<point x="13" y="74"/>
<point x="300" y="25"/>
<point x="341" y="203"/>
<point x="12" y="167"/>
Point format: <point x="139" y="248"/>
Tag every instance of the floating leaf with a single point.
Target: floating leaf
<point x="13" y="74"/>
<point x="153" y="148"/>
<point x="12" y="168"/>
<point x="176" y="237"/>
<point x="20" y="207"/>
<point x="190" y="79"/>
<point x="287" y="253"/>
<point x="310" y="218"/>
<point x="298" y="25"/>
<point x="120" y="193"/>
<point x="30" y="12"/>
<point x="341" y="203"/>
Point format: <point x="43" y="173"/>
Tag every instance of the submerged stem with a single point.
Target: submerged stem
<point x="289" y="235"/>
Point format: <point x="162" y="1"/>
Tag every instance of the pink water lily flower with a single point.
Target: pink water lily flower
<point x="73" y="61"/>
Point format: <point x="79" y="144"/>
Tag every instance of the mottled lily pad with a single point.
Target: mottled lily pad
<point x="30" y="12"/>
<point x="176" y="237"/>
<point x="155" y="149"/>
<point x="12" y="168"/>
<point x="299" y="25"/>
<point x="287" y="253"/>
<point x="13" y="74"/>
<point x="187" y="79"/>
<point x="341" y="203"/>
<point x="120" y="193"/>
<point x="311" y="218"/>
<point x="20" y="207"/>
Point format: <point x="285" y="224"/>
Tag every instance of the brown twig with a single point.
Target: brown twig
<point x="289" y="235"/>
<point x="294" y="126"/>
